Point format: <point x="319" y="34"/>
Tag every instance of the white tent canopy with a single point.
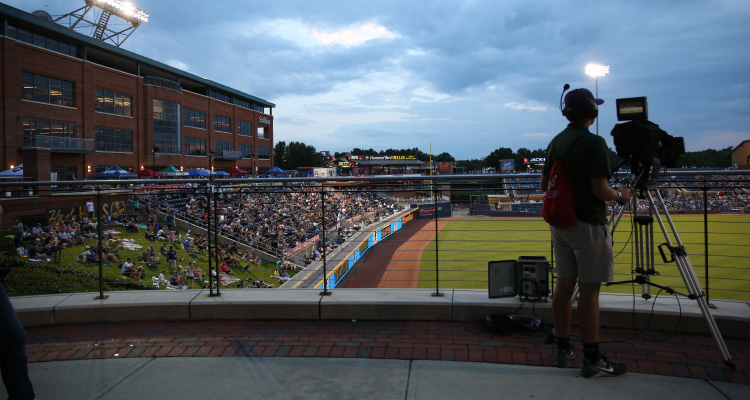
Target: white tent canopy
<point x="15" y="172"/>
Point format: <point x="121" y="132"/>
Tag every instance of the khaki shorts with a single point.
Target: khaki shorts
<point x="584" y="251"/>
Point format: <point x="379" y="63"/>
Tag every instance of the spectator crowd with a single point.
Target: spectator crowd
<point x="278" y="219"/>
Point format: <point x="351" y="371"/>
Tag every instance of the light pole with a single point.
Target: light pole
<point x="595" y="71"/>
<point x="252" y="165"/>
<point x="153" y="157"/>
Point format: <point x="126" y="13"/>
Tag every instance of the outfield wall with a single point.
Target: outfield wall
<point x="429" y="210"/>
<point x="338" y="273"/>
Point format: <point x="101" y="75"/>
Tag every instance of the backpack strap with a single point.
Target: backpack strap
<point x="571" y="145"/>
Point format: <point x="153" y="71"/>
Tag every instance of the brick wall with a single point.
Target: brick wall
<point x="17" y="57"/>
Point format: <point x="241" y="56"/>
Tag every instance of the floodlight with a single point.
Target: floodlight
<point x="596" y="70"/>
<point x="123" y="9"/>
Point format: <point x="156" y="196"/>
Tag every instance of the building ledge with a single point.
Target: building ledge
<point x="617" y="310"/>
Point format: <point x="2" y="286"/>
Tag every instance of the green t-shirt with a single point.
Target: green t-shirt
<point x="584" y="156"/>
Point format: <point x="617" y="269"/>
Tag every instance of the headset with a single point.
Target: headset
<point x="590" y="110"/>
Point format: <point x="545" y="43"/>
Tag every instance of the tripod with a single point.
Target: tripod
<point x="644" y="250"/>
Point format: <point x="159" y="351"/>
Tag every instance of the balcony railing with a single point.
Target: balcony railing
<point x="441" y="232"/>
<point x="58" y="144"/>
<point x="230" y="155"/>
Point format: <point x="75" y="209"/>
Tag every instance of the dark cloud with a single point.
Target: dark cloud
<point x="689" y="57"/>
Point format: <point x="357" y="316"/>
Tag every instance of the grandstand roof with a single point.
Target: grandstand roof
<point x="741" y="144"/>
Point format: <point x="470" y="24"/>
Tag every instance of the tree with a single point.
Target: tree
<point x="708" y="158"/>
<point x="493" y="160"/>
<point x="280" y="153"/>
<point x="470" y="165"/>
<point x="521" y="154"/>
<point x="301" y="155"/>
<point x="444" y="157"/>
<point x="359" y="152"/>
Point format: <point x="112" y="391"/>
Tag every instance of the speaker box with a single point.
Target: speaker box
<point x="502" y="278"/>
<point x="532" y="274"/>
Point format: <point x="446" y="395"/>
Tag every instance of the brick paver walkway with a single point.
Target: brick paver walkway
<point x="682" y="355"/>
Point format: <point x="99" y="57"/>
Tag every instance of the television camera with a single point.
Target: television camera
<point x="647" y="148"/>
<point x="641" y="143"/>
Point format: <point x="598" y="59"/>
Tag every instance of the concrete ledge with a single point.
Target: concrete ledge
<point x="37" y="310"/>
<point x="387" y="305"/>
<point x="256" y="304"/>
<point x="664" y="313"/>
<point x="124" y="306"/>
<point x="668" y="314"/>
<point x="474" y="305"/>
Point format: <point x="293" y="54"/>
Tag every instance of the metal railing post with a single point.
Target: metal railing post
<point x="99" y="242"/>
<point x="705" y="238"/>
<point x="325" y="291"/>
<point x="208" y="239"/>
<point x="437" y="293"/>
<point x="216" y="239"/>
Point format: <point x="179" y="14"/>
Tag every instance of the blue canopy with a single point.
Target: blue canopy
<point x="275" y="170"/>
<point x="221" y="173"/>
<point x="114" y="172"/>
<point x="198" y="172"/>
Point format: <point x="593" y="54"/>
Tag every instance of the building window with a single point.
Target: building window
<point x="64" y="172"/>
<point x="245" y="149"/>
<point x="242" y="103"/>
<point x="244" y="128"/>
<point x="262" y="132"/>
<point x="111" y="139"/>
<point x="220" y="147"/>
<point x="222" y="124"/>
<point x="195" y="118"/>
<point x="35" y="87"/>
<point x="34" y="128"/>
<point x="41" y="41"/>
<point x="221" y="96"/>
<point x="264" y="153"/>
<point x="167" y="134"/>
<point x="247" y="104"/>
<point x="195" y="147"/>
<point x="111" y="102"/>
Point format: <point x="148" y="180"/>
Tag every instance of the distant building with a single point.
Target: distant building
<point x="73" y="105"/>
<point x="741" y="155"/>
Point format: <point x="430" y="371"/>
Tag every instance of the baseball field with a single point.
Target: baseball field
<point x="458" y="259"/>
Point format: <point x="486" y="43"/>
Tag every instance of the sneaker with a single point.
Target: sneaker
<point x="603" y="367"/>
<point x="563" y="359"/>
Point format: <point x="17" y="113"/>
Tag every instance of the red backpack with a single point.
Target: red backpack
<point x="559" y="209"/>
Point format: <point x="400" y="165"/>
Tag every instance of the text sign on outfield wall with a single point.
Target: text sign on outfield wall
<point x="442" y="210"/>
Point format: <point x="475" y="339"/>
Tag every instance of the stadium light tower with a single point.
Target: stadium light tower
<point x="595" y="71"/>
<point x="103" y="10"/>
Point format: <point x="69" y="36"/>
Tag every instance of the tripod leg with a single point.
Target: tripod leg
<point x="688" y="274"/>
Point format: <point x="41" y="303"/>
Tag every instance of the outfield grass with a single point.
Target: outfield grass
<point x="465" y="248"/>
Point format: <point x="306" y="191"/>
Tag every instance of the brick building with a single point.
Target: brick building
<point x="73" y="106"/>
<point x="741" y="155"/>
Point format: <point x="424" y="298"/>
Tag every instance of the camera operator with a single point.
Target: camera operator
<point x="584" y="250"/>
